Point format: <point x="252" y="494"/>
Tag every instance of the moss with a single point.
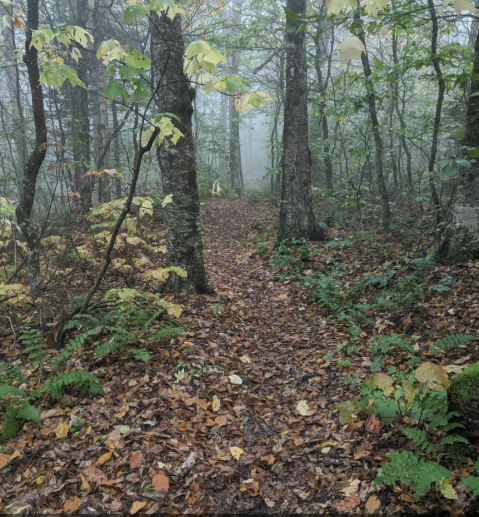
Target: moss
<point x="464" y="388"/>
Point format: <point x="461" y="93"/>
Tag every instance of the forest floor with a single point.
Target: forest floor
<point x="246" y="446"/>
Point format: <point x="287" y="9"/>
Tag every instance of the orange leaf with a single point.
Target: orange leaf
<point x="71" y="505"/>
<point x="137" y="506"/>
<point x="104" y="458"/>
<point x="135" y="460"/>
<point x="3" y="460"/>
<point x="160" y="482"/>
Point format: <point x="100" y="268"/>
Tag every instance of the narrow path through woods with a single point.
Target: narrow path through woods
<point x="269" y="336"/>
<point x="255" y="449"/>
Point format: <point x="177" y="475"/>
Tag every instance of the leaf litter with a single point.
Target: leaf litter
<point x="251" y="425"/>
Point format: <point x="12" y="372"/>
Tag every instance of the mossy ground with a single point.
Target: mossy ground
<point x="464" y="388"/>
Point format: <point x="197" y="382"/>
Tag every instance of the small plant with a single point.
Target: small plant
<point x="78" y="425"/>
<point x="410" y="470"/>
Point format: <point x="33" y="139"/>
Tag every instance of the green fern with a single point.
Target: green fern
<point x="451" y="341"/>
<point x="9" y="426"/>
<point x="452" y="439"/>
<point x="10" y="373"/>
<point x="419" y="438"/>
<point x="56" y="386"/>
<point x="35" y="349"/>
<point x="140" y="354"/>
<point x="407" y="469"/>
<point x="9" y="391"/>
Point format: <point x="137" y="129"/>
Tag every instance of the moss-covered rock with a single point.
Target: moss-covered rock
<point x="463" y="395"/>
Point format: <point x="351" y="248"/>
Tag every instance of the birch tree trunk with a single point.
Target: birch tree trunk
<point x="296" y="220"/>
<point x="177" y="162"/>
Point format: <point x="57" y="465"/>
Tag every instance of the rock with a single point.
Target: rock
<point x="463" y="397"/>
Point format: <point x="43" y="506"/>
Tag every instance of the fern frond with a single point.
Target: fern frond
<point x="56" y="386"/>
<point x="451" y="341"/>
<point x="472" y="484"/>
<point x="408" y="469"/>
<point x="6" y="390"/>
<point x="28" y="412"/>
<point x="419" y="438"/>
<point x="453" y="438"/>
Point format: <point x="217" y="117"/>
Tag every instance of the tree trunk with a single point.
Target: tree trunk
<point x="101" y="115"/>
<point x="296" y="220"/>
<point x="177" y="162"/>
<point x="400" y="115"/>
<point x="376" y="131"/>
<point x="28" y="225"/>
<point x="437" y="118"/>
<point x="116" y="142"/>
<point x="14" y="91"/>
<point x="463" y="242"/>
<point x="235" y="166"/>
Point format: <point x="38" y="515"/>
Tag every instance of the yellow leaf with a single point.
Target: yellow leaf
<point x="71" y="505"/>
<point x="303" y="409"/>
<point x="433" y="376"/>
<point x="39" y="480"/>
<point x="236" y="452"/>
<point x="447" y="490"/>
<point x="351" y="48"/>
<point x="62" y="430"/>
<point x="216" y="403"/>
<point x="137" y="506"/>
<point x="85" y="486"/>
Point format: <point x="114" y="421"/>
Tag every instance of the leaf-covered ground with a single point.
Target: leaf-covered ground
<point x="181" y="435"/>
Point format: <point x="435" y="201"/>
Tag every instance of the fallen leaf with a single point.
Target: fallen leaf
<point x="234" y="379"/>
<point x="104" y="458"/>
<point x="348" y="503"/>
<point x="447" y="490"/>
<point x="236" y="452"/>
<point x="245" y="359"/>
<point x="373" y="504"/>
<point x="85" y="486"/>
<point x="4" y="459"/>
<point x="46" y="431"/>
<point x="269" y="459"/>
<point x="123" y="411"/>
<point x="137" y="506"/>
<point x="216" y="403"/>
<point x="71" y="505"/>
<point x="221" y="420"/>
<point x="135" y="460"/>
<point x="433" y="376"/>
<point x="62" y="430"/>
<point x="160" y="482"/>
<point x="303" y="409"/>
<point x="351" y="488"/>
<point x="373" y="424"/>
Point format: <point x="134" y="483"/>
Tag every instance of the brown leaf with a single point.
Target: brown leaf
<point x="71" y="505"/>
<point x="4" y="459"/>
<point x="373" y="424"/>
<point x="123" y="411"/>
<point x="104" y="458"/>
<point x="373" y="504"/>
<point x="221" y="420"/>
<point x="137" y="506"/>
<point x="348" y="503"/>
<point x="135" y="459"/>
<point x="160" y="482"/>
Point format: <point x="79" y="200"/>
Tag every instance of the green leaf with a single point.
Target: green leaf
<point x="133" y="12"/>
<point x="114" y="90"/>
<point x="29" y="412"/>
<point x="9" y="428"/>
<point x="56" y="74"/>
<point x="290" y="14"/>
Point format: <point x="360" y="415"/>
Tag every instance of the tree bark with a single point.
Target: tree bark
<point x="28" y="225"/>
<point x="296" y="220"/>
<point x="463" y="239"/>
<point x="235" y="165"/>
<point x="376" y="131"/>
<point x="177" y="162"/>
<point x="437" y="117"/>
<point x="14" y="93"/>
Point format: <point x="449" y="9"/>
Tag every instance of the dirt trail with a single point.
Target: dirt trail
<point x="255" y="452"/>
